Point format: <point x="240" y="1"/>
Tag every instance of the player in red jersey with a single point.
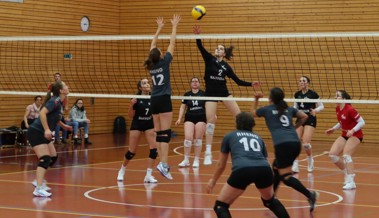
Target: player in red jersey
<point x="351" y="124"/>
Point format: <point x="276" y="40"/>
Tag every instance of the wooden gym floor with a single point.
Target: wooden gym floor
<point x="84" y="184"/>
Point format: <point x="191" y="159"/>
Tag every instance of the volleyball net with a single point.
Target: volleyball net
<point x="111" y="66"/>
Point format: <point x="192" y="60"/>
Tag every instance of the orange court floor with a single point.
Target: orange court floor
<point x="84" y="184"/>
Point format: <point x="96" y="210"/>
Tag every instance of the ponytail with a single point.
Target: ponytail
<point x="229" y="52"/>
<point x="277" y="97"/>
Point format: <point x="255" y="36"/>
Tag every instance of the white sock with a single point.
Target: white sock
<point x="123" y="167"/>
<point x="149" y="171"/>
<point x="208" y="149"/>
<point x="186" y="157"/>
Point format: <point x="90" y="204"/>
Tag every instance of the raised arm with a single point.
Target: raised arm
<point x="204" y="53"/>
<point x="255" y="104"/>
<point x="174" y="21"/>
<point x="240" y="82"/>
<point x="160" y="27"/>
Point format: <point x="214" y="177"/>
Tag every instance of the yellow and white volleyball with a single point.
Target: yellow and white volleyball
<point x="198" y="12"/>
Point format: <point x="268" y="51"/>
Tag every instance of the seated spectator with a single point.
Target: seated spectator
<point x="78" y="114"/>
<point x="32" y="112"/>
<point x="75" y="128"/>
<point x="64" y="133"/>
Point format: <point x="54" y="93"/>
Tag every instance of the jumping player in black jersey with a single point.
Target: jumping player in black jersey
<point x="216" y="71"/>
<point x="249" y="165"/>
<point x="158" y="66"/>
<point x="194" y="123"/>
<point x="287" y="145"/>
<point x="40" y="134"/>
<point x="305" y="131"/>
<point x="140" y="112"/>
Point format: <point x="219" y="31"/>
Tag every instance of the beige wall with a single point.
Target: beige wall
<point x="51" y="17"/>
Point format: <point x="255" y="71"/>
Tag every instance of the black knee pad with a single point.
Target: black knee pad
<point x="286" y="177"/>
<point x="129" y="155"/>
<point x="276" y="207"/>
<point x="164" y="136"/>
<point x="222" y="209"/>
<point x="53" y="160"/>
<point x="153" y="153"/>
<point x="44" y="161"/>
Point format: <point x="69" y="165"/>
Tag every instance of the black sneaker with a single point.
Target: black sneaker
<point x="87" y="141"/>
<point x="64" y="141"/>
<point x="77" y="141"/>
<point x="312" y="200"/>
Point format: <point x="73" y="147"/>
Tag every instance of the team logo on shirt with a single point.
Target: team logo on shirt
<point x="343" y="116"/>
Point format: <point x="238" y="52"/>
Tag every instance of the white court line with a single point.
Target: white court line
<point x="88" y="195"/>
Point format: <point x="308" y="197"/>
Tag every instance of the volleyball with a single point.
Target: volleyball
<point x="198" y="12"/>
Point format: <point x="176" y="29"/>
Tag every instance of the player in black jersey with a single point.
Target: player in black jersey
<point x="216" y="71"/>
<point x="249" y="165"/>
<point x="194" y="123"/>
<point x="140" y="112"/>
<point x="305" y="132"/>
<point x="40" y="134"/>
<point x="158" y="66"/>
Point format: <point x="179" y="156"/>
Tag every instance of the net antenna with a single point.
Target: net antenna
<point x="111" y="66"/>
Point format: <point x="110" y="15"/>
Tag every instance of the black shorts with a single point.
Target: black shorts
<point x="262" y="177"/>
<point x="36" y="137"/>
<point x="286" y="153"/>
<point x="160" y="104"/>
<point x="216" y="93"/>
<point x="195" y="118"/>
<point x="311" y="121"/>
<point x="346" y="138"/>
<point x="142" y="125"/>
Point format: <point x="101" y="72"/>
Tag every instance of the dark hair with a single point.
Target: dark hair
<point x="37" y="96"/>
<point x="307" y="78"/>
<point x="228" y="52"/>
<point x="245" y="121"/>
<point x="82" y="108"/>
<point x="153" y="59"/>
<point x="139" y="87"/>
<point x="344" y="94"/>
<point x="54" y="91"/>
<point x="57" y="74"/>
<point x="277" y="97"/>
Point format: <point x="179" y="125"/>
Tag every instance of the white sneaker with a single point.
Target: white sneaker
<point x="295" y="166"/>
<point x="44" y="186"/>
<point x="121" y="173"/>
<point x="40" y="192"/>
<point x="311" y="165"/>
<point x="349" y="186"/>
<point x="150" y="179"/>
<point x="184" y="163"/>
<point x="207" y="159"/>
<point x="165" y="171"/>
<point x="195" y="163"/>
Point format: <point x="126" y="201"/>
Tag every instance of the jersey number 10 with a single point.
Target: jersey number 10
<point x="253" y="144"/>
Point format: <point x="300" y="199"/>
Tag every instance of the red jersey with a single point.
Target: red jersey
<point x="348" y="119"/>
